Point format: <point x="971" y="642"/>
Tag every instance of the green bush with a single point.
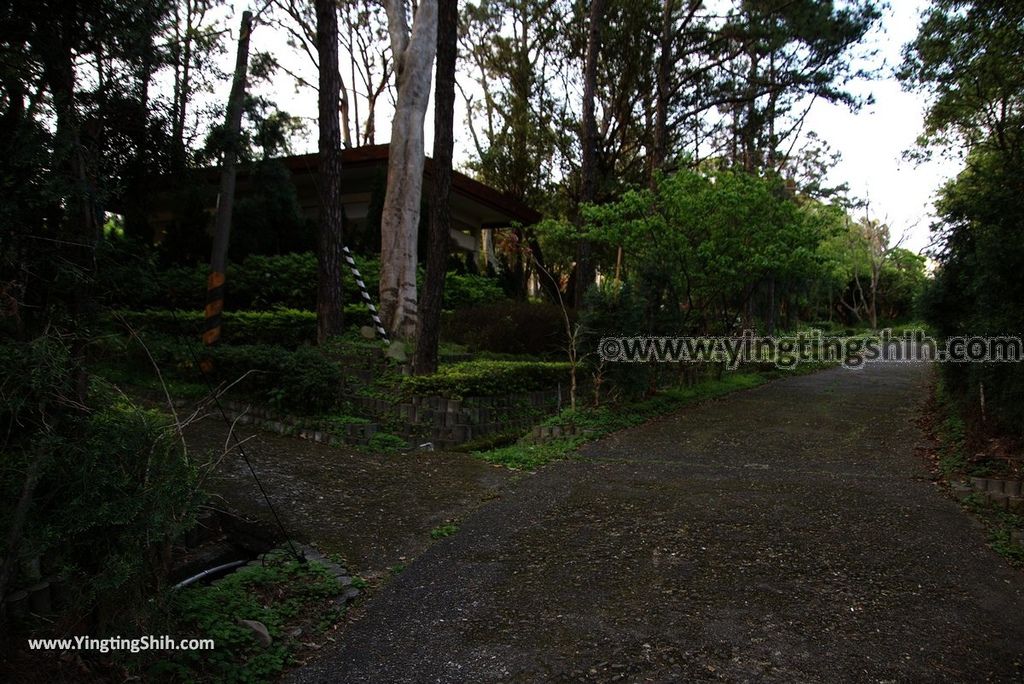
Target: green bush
<point x="302" y="381"/>
<point x="115" y="484"/>
<point x="508" y="327"/>
<point x="298" y="381"/>
<point x="382" y="441"/>
<point x="463" y="290"/>
<point x="487" y="378"/>
<point x="131" y="279"/>
<point x="285" y="327"/>
<point x="265" y="282"/>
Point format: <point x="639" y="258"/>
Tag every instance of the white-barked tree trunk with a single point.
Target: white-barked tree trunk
<point x="414" y="61"/>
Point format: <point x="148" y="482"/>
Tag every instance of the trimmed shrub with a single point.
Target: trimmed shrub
<point x="289" y="328"/>
<point x="285" y="327"/>
<point x="487" y="378"/>
<point x="131" y="279"/>
<point x="463" y="290"/>
<point x="302" y="381"/>
<point x="299" y="381"/>
<point x="508" y="327"/>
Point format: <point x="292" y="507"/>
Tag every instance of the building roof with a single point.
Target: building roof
<point x="474" y="204"/>
<point x="376" y="156"/>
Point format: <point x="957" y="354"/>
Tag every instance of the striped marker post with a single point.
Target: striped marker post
<point x="214" y="308"/>
<point x="212" y="316"/>
<point x="366" y="295"/>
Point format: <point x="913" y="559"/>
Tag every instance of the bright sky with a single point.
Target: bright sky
<point x="871" y="141"/>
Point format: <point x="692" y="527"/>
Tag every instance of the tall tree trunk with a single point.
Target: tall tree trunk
<point x="343" y="108"/>
<point x="136" y="218"/>
<point x="661" y="94"/>
<point x="588" y="138"/>
<point x="330" y="239"/>
<point x="414" y="58"/>
<point x="425" y="360"/>
<point x="226" y="200"/>
<point x="182" y="78"/>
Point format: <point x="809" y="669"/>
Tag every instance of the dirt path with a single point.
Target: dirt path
<point x="787" y="533"/>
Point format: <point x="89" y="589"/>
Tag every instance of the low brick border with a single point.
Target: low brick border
<point x="1001" y="493"/>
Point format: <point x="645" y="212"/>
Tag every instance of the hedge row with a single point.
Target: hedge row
<point x="306" y="381"/>
<point x="502" y="328"/>
<point x="261" y="283"/>
<point x="289" y="328"/>
<point x="508" y="327"/>
<point x="299" y="381"/>
<point x="487" y="378"/>
<point x="286" y="327"/>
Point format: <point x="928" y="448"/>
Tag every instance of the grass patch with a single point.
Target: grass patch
<point x="531" y="456"/>
<point x="597" y="422"/>
<point x="445" y="530"/>
<point x="1001" y="540"/>
<point x="388" y="443"/>
<point x="1001" y="524"/>
<point x="487" y="378"/>
<point x="286" y="597"/>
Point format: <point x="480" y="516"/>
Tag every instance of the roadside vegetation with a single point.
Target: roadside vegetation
<point x="967" y="57"/>
<point x="296" y="602"/>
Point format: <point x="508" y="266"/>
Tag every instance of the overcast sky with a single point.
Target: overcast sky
<point x="871" y="141"/>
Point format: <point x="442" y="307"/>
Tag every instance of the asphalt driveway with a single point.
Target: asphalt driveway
<point x="787" y="533"/>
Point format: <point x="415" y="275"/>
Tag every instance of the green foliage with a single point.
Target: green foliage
<point x="1003" y="543"/>
<point x="490" y="441"/>
<point x="302" y="381"/>
<point x="968" y="57"/>
<point x="508" y="327"/>
<point x="464" y="290"/>
<point x="131" y="278"/>
<point x="268" y="218"/>
<point x="701" y="240"/>
<point x="613" y="309"/>
<point x="855" y="253"/>
<point x="288" y="328"/>
<point x="487" y="378"/>
<point x="297" y="381"/>
<point x="532" y="456"/>
<point x="1001" y="525"/>
<point x="125" y="483"/>
<point x="282" y="596"/>
<point x="132" y="485"/>
<point x="952" y="459"/>
<point x="982" y="211"/>
<point x="263" y="282"/>
<point x="445" y="530"/>
<point x="386" y="443"/>
<point x="903" y="280"/>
